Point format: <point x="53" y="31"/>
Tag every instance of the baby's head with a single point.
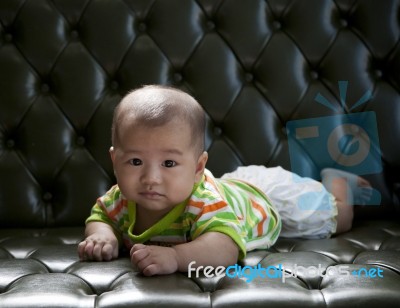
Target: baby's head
<point x="155" y="106"/>
<point x="158" y="147"/>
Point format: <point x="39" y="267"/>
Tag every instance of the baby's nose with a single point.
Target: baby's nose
<point x="151" y="175"/>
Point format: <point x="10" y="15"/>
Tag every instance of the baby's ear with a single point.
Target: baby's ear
<point x="201" y="165"/>
<point x="112" y="154"/>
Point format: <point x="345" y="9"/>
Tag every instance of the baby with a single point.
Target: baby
<point x="169" y="210"/>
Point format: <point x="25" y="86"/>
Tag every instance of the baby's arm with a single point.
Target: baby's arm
<point x="100" y="244"/>
<point x="211" y="248"/>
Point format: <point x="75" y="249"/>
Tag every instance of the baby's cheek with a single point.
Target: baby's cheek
<point x="184" y="189"/>
<point x="127" y="189"/>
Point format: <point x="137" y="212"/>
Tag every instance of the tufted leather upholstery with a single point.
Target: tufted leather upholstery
<point x="254" y="65"/>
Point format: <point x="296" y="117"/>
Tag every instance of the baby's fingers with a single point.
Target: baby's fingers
<point x="109" y="252"/>
<point x="85" y="250"/>
<point x="81" y="250"/>
<point x="99" y="254"/>
<point x="137" y="247"/>
<point x="89" y="250"/>
<point x="138" y="253"/>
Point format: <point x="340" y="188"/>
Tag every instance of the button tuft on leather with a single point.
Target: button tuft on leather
<point x="114" y="85"/>
<point x="45" y="88"/>
<point x="344" y="23"/>
<point x="277" y="25"/>
<point x="378" y="73"/>
<point x="142" y="27"/>
<point x="217" y="131"/>
<point x="314" y="75"/>
<point x="74" y="34"/>
<point x="10" y="143"/>
<point x="178" y="77"/>
<point x="80" y="140"/>
<point x="210" y="25"/>
<point x="249" y="77"/>
<point x="47" y="196"/>
<point x="8" y="37"/>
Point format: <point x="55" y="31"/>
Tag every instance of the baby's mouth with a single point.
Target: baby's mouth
<point x="151" y="194"/>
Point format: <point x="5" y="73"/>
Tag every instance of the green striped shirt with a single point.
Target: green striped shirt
<point x="229" y="206"/>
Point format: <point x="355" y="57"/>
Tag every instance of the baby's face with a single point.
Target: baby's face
<point x="157" y="167"/>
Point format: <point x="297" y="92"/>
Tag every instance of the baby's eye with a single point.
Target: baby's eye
<point x="135" y="162"/>
<point x="169" y="163"/>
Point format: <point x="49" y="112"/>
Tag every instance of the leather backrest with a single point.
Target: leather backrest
<point x="254" y="65"/>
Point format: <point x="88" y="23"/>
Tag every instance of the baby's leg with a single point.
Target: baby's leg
<point x="348" y="189"/>
<point x="305" y="207"/>
<point x="339" y="188"/>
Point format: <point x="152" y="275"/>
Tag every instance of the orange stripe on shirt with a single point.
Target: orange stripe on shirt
<point x="214" y="207"/>
<point x="123" y="203"/>
<point x="198" y="204"/>
<point x="263" y="214"/>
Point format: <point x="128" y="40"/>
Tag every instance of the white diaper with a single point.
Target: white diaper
<point x="306" y="208"/>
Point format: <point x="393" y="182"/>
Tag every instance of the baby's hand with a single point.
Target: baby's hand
<point x="98" y="247"/>
<point x="154" y="260"/>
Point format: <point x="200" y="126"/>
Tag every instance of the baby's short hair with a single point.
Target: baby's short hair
<point x="159" y="105"/>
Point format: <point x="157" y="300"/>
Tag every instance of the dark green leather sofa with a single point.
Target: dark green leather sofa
<point x="255" y="66"/>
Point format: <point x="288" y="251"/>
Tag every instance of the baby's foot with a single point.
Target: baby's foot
<point x="361" y="192"/>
